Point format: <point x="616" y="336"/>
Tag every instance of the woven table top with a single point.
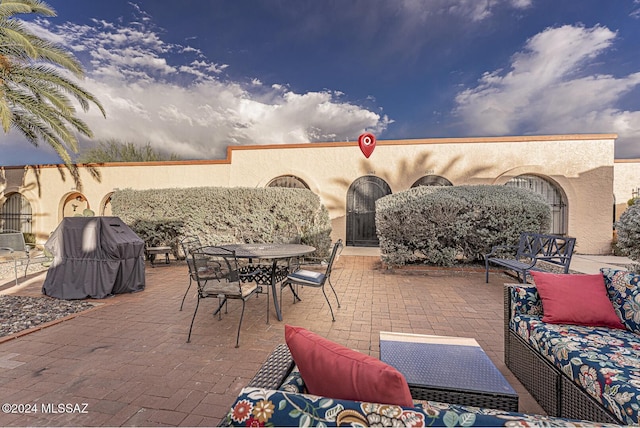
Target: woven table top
<point x="442" y="362"/>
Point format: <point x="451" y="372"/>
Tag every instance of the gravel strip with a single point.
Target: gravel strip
<point x="19" y="313"/>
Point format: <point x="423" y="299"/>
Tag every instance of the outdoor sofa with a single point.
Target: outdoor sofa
<point x="278" y="396"/>
<point x="574" y="343"/>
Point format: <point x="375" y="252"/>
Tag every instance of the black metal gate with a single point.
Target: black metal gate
<point x="15" y="214"/>
<point x="361" y="210"/>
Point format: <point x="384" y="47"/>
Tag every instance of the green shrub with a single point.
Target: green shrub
<point x="232" y="215"/>
<point x="159" y="233"/>
<point x="446" y="225"/>
<point x="628" y="228"/>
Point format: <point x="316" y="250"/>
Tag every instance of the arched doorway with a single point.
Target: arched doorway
<point x="15" y="214"/>
<point x="361" y="210"/>
<point x="551" y="193"/>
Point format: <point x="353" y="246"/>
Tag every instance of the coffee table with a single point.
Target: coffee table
<point x="448" y="369"/>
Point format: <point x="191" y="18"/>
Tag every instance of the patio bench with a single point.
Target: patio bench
<point x="12" y="243"/>
<point x="552" y="250"/>
<point x="153" y="252"/>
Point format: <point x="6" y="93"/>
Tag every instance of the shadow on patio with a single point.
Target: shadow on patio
<point x="128" y="360"/>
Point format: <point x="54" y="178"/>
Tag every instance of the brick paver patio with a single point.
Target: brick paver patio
<point x="128" y="360"/>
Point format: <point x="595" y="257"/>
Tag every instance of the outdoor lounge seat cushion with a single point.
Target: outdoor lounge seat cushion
<point x="575" y="299"/>
<point x="307" y="277"/>
<point x="624" y="292"/>
<point x="268" y="407"/>
<point x="605" y="362"/>
<point x="332" y="370"/>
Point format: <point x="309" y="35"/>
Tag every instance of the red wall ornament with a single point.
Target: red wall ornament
<point x="367" y="143"/>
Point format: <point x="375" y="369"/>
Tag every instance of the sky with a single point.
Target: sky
<point x="192" y="77"/>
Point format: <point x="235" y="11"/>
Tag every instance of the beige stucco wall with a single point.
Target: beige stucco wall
<point x="581" y="165"/>
<point x="626" y="181"/>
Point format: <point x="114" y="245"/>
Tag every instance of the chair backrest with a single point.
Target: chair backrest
<point x="13" y="239"/>
<point x="554" y="248"/>
<point x="337" y="249"/>
<point x="190" y="244"/>
<point x="216" y="271"/>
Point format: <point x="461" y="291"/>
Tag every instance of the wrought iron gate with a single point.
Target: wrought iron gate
<point x="361" y="210"/>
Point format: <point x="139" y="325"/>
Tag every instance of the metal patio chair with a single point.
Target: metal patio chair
<point x="217" y="275"/>
<point x="310" y="278"/>
<point x="189" y="244"/>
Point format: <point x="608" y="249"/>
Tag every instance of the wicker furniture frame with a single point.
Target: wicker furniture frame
<point x="274" y="370"/>
<point x="553" y="390"/>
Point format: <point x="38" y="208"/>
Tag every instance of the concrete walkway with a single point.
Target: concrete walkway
<point x="592" y="264"/>
<point x="582" y="263"/>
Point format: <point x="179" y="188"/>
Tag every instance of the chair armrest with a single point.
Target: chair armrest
<point x="298" y="262"/>
<point x="497" y="248"/>
<point x="275" y="369"/>
<point x="563" y="258"/>
<point x="251" y="274"/>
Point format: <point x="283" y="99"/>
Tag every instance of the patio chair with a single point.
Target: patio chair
<point x="311" y="278"/>
<point x="217" y="274"/>
<point x="189" y="244"/>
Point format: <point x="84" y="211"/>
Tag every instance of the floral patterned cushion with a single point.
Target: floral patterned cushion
<point x="263" y="407"/>
<point x="525" y="300"/>
<point x="294" y="382"/>
<point x="604" y="362"/>
<point x="624" y="292"/>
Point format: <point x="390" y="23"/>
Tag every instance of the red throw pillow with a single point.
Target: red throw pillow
<point x="575" y="299"/>
<point x="334" y="371"/>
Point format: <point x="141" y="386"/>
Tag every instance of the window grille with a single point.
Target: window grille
<point x="290" y="181"/>
<point x="551" y="194"/>
<point x="16" y="214"/>
<point x="432" y="180"/>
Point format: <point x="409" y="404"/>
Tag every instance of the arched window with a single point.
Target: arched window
<point x="290" y="181"/>
<point x="74" y="205"/>
<point x="551" y="193"/>
<point x="16" y="214"/>
<point x="432" y="180"/>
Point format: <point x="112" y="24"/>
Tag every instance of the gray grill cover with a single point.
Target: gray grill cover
<point x="94" y="257"/>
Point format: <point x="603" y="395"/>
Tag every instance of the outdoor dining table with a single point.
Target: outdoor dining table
<point x="274" y="253"/>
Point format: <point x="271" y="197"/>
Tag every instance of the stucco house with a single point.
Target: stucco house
<point x="585" y="186"/>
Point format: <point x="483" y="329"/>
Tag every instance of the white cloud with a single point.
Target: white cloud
<point x="176" y="99"/>
<point x="547" y="89"/>
<point x="475" y="10"/>
<point x="202" y="119"/>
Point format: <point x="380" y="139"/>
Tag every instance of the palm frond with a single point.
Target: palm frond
<point x="13" y="7"/>
<point x="35" y="97"/>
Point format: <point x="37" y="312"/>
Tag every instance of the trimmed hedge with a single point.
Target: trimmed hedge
<point x="231" y="215"/>
<point x="628" y="228"/>
<point x="447" y="225"/>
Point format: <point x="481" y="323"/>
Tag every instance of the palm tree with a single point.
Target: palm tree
<point x="35" y="96"/>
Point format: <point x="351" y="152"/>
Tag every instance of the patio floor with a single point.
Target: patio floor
<point x="128" y="360"/>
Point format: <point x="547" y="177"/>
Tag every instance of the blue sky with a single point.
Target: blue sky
<point x="194" y="76"/>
